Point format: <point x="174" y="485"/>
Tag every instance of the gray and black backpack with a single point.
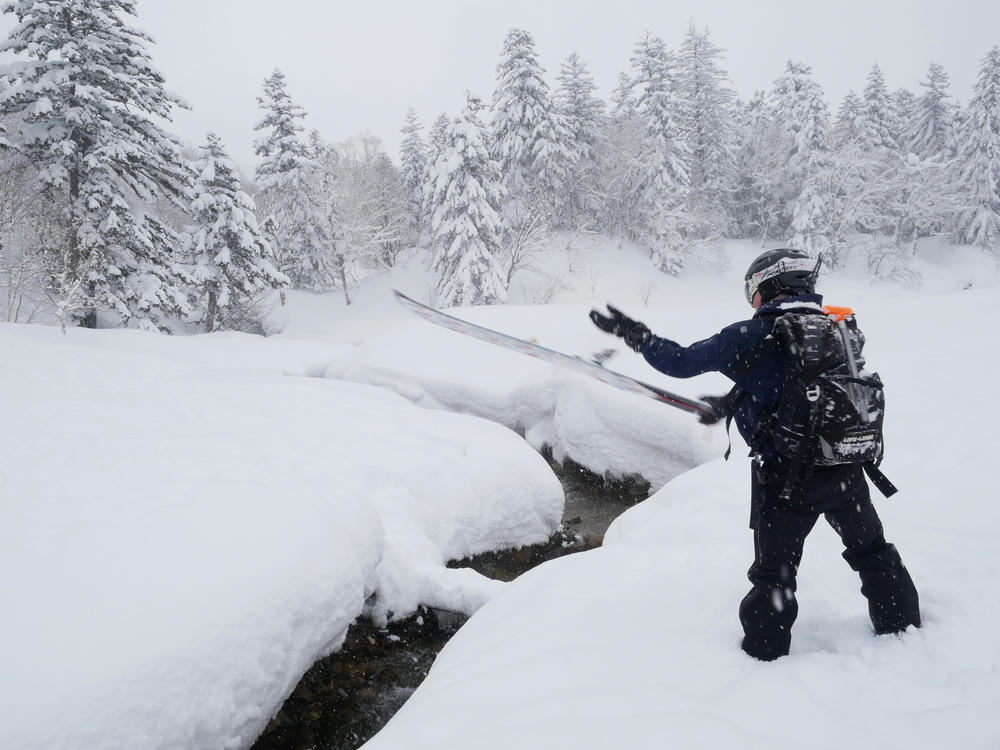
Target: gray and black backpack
<point x="831" y="409"/>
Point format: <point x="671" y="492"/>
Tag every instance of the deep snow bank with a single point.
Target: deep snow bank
<point x="184" y="530"/>
<point x="597" y="426"/>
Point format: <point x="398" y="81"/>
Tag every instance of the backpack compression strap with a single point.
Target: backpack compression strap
<point x="880" y="480"/>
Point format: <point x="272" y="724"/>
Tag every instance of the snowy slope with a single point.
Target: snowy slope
<point x="637" y="644"/>
<point x="184" y="529"/>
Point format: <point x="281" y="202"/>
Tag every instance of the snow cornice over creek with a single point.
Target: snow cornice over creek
<point x="186" y="529"/>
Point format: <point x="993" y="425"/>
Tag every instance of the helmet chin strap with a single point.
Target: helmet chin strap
<point x="815" y="272"/>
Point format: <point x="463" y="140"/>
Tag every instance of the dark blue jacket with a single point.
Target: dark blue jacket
<point x="729" y="352"/>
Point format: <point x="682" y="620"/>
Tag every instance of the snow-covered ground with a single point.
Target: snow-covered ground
<point x="188" y="522"/>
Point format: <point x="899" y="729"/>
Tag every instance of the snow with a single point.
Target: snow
<point x="189" y="522"/>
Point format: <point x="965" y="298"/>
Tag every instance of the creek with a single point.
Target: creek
<point x="347" y="697"/>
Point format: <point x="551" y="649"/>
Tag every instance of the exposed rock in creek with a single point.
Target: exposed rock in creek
<point x="345" y="698"/>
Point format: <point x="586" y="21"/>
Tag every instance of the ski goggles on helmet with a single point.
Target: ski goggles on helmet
<point x="785" y="265"/>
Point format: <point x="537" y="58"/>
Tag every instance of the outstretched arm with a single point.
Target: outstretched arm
<point x="709" y="355"/>
<point x="716" y="353"/>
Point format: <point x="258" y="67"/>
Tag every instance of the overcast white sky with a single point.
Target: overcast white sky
<point x="357" y="66"/>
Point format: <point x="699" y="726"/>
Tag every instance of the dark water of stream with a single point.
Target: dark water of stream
<point x="347" y="697"/>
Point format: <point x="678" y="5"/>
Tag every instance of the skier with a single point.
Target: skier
<point x="778" y="282"/>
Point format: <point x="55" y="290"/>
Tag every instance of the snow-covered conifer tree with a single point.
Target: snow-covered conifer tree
<point x="583" y="111"/>
<point x="413" y="160"/>
<point x="980" y="156"/>
<point x="438" y="137"/>
<point x="847" y="128"/>
<point x="555" y="160"/>
<point x="666" y="182"/>
<point x="619" y="172"/>
<point x="876" y="158"/>
<point x="437" y="140"/>
<point x="232" y="262"/>
<point x="466" y="193"/>
<point x="622" y="98"/>
<point x="85" y="114"/>
<point x="530" y="139"/>
<point x="316" y="147"/>
<point x="802" y="121"/>
<point x="282" y="152"/>
<point x="877" y="112"/>
<point x="759" y="206"/>
<point x="584" y="117"/>
<point x="296" y="229"/>
<point x="933" y="116"/>
<point x="706" y="105"/>
<point x="521" y="105"/>
<point x="903" y="110"/>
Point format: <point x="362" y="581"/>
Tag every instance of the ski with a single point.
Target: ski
<point x="576" y="364"/>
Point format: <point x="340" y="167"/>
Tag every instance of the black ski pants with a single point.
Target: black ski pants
<point x="780" y="528"/>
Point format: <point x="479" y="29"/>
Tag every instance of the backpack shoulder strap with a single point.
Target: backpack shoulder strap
<point x="732" y="400"/>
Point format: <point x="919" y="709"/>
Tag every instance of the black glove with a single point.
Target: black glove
<point x="636" y="334"/>
<point x="721" y="408"/>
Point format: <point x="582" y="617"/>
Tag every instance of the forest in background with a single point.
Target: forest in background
<point x="107" y="218"/>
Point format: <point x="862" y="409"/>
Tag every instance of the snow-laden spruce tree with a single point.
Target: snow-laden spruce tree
<point x="878" y="115"/>
<point x="232" y="264"/>
<point x="583" y="112"/>
<point x="868" y="160"/>
<point x="619" y="171"/>
<point x="980" y="157"/>
<point x="847" y="128"/>
<point x="521" y="105"/>
<point x="584" y="116"/>
<point x="904" y="104"/>
<point x="622" y="104"/>
<point x="757" y="207"/>
<point x="706" y="109"/>
<point x="466" y="194"/>
<point x="84" y="111"/>
<point x="925" y="188"/>
<point x="531" y="141"/>
<point x="413" y="161"/>
<point x="665" y="185"/>
<point x="437" y="140"/>
<point x="873" y="183"/>
<point x="933" y="116"/>
<point x="802" y="155"/>
<point x="285" y="177"/>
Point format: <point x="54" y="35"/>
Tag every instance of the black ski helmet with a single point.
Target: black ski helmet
<point x="784" y="270"/>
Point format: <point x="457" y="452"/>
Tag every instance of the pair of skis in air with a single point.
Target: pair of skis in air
<point x="590" y="368"/>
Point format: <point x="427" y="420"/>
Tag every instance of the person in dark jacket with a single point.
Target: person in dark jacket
<point x="780" y="281"/>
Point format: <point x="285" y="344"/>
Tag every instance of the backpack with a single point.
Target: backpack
<point x="830" y="410"/>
